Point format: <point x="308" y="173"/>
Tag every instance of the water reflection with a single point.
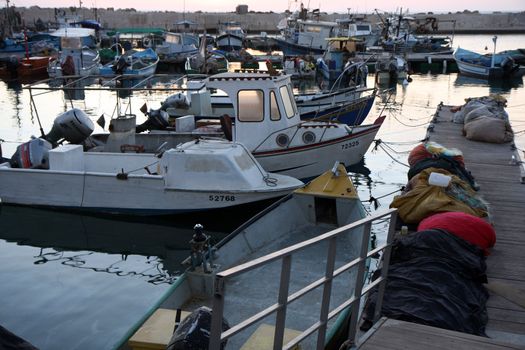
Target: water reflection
<point x="14" y="89"/>
<point x="147" y="249"/>
<point x="495" y="86"/>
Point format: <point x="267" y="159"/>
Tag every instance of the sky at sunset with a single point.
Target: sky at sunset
<point x="282" y="5"/>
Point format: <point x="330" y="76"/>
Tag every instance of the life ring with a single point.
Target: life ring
<point x="146" y="42"/>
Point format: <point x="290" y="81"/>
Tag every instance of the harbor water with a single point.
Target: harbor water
<point x="71" y="281"/>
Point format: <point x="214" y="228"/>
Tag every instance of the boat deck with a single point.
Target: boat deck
<point x="502" y="186"/>
<point x="250" y="293"/>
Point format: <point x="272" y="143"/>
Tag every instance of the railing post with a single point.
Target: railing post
<point x="386" y="265"/>
<point x="280" y="318"/>
<point x="360" y="279"/>
<point x="327" y="291"/>
<point x="216" y="314"/>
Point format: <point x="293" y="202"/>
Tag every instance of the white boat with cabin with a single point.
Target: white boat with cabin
<point x="75" y="57"/>
<point x="265" y="118"/>
<point x="178" y="46"/>
<point x="198" y="175"/>
<point x="231" y="36"/>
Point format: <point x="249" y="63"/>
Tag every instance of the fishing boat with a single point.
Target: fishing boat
<point x="391" y="68"/>
<point x="488" y="66"/>
<point x="302" y="33"/>
<point x="349" y="105"/>
<point x="231" y="36"/>
<point x="137" y="63"/>
<point x="180" y="44"/>
<point x="327" y="203"/>
<point x="199" y="175"/>
<point x="76" y="57"/>
<point x="32" y="66"/>
<point x="338" y="62"/>
<point x="24" y="68"/>
<point x="264" y="117"/>
<point x="357" y="28"/>
<point x="304" y="37"/>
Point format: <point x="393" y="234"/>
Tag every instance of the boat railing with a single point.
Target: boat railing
<point x="107" y="83"/>
<point x="284" y="298"/>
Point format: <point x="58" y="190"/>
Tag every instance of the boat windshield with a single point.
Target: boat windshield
<point x="288" y="104"/>
<point x="275" y="114"/>
<point x="70" y="42"/>
<point x="173" y="39"/>
<point x="251" y="105"/>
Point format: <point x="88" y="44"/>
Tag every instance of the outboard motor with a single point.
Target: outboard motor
<point x="178" y="100"/>
<point x="33" y="154"/>
<point x="121" y="64"/>
<point x="194" y="331"/>
<point x="157" y="120"/>
<point x="74" y="126"/>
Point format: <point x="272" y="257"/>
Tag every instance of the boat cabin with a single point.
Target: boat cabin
<point x="75" y="38"/>
<point x="313" y="33"/>
<point x="262" y="105"/>
<point x="349" y="27"/>
<point x="232" y="28"/>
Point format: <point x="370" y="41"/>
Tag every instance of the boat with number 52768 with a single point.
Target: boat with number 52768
<point x="198" y="175"/>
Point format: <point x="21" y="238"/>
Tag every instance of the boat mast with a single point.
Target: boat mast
<point x="7" y="30"/>
<point x="492" y="61"/>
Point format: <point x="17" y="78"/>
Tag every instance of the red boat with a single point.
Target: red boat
<point x="32" y="66"/>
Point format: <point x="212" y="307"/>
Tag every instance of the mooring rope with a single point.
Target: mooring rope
<point x="415" y="125"/>
<point x="378" y="143"/>
<point x="374" y="200"/>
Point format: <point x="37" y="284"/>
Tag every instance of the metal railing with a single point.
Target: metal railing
<point x="217" y="336"/>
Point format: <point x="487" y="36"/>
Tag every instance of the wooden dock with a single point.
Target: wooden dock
<point x="501" y="181"/>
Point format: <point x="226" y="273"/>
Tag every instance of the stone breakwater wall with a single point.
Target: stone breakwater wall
<point x="266" y="22"/>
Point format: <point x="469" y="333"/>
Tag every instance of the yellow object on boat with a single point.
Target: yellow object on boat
<point x="333" y="183"/>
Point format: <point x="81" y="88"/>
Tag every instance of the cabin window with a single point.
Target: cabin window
<point x="363" y="27"/>
<point x="313" y="29"/>
<point x="292" y="98"/>
<point x="251" y="105"/>
<point x="275" y="114"/>
<point x="288" y="103"/>
<point x="173" y="39"/>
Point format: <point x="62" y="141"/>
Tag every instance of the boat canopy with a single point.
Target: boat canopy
<point x="74" y="32"/>
<point x="154" y="31"/>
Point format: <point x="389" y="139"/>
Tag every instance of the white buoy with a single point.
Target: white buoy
<point x="429" y="60"/>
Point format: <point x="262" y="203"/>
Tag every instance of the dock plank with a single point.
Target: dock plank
<point x="395" y="334"/>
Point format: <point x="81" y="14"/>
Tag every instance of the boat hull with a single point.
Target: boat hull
<point x="291" y="49"/>
<point x="482" y="72"/>
<point x="481" y="66"/>
<point x="229" y="42"/>
<point x="33" y="66"/>
<point x="308" y="161"/>
<point x="96" y="192"/>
